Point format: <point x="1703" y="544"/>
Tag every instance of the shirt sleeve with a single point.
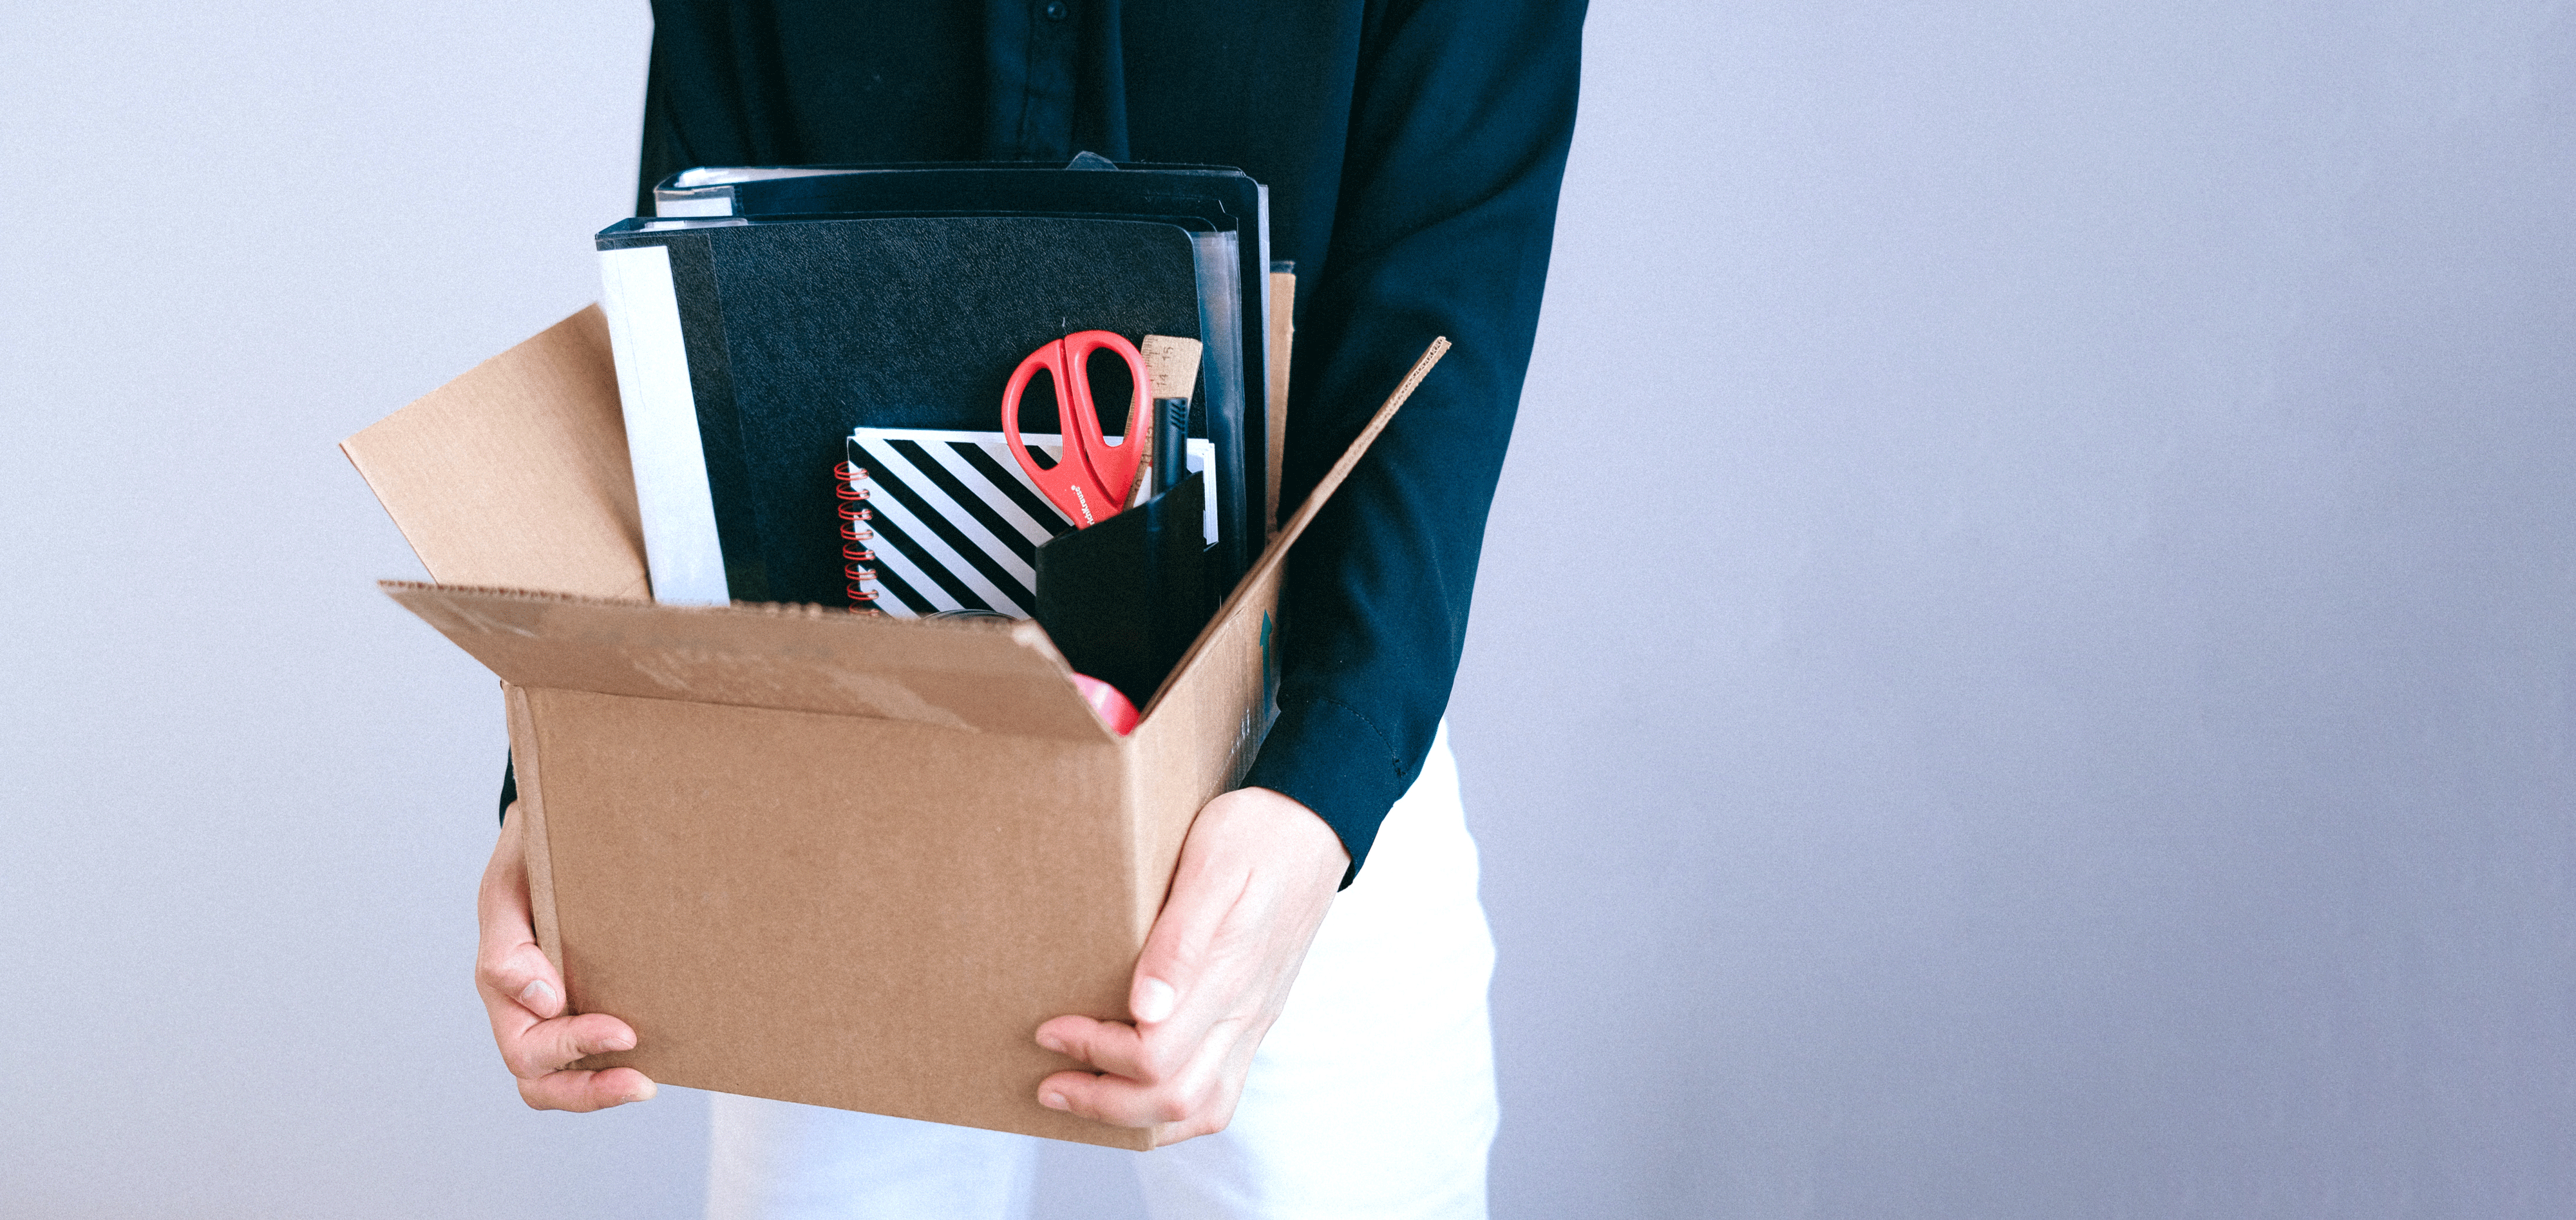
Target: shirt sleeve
<point x="1462" y="112"/>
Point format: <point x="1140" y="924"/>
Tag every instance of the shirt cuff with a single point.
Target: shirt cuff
<point x="1329" y="758"/>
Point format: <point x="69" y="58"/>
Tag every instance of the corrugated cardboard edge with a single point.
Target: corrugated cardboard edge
<point x="788" y="657"/>
<point x="1171" y="771"/>
<point x="1276" y="554"/>
<point x="1283" y="331"/>
<point x="535" y="851"/>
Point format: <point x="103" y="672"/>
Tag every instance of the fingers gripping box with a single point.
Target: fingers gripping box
<point x="812" y="856"/>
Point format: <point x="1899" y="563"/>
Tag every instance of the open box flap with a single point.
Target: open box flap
<point x="979" y="676"/>
<point x="515" y="474"/>
<point x="514" y="477"/>
<point x="1261" y="581"/>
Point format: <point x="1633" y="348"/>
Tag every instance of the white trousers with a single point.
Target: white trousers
<point x="1373" y="1095"/>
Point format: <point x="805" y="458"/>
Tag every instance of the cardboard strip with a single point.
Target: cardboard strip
<point x="1283" y="332"/>
<point x="536" y="851"/>
<point x="1277" y="552"/>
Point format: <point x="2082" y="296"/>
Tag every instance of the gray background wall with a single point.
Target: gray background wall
<point x="2023" y="669"/>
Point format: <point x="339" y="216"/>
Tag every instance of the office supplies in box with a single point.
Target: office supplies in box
<point x="799" y="849"/>
<point x="747" y="351"/>
<point x="1226" y="211"/>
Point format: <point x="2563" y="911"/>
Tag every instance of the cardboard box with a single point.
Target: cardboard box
<point x="809" y="855"/>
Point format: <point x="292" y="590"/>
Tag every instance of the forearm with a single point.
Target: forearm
<point x="1458" y="145"/>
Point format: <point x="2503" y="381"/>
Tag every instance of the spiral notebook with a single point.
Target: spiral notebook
<point x="934" y="520"/>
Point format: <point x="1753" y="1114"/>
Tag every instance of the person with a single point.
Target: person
<point x="1413" y="151"/>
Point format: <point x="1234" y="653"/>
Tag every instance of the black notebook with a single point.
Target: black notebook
<point x="1227" y="209"/>
<point x="747" y="351"/>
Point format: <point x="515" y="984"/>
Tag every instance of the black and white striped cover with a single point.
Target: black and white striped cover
<point x="958" y="522"/>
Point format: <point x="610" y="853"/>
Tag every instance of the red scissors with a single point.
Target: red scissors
<point x="1091" y="478"/>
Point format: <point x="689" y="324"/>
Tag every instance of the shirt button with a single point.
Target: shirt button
<point x="1056" y="10"/>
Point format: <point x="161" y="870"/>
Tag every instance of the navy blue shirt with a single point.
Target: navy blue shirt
<point x="1412" y="151"/>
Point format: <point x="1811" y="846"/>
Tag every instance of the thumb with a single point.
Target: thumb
<point x="508" y="964"/>
<point x="1151" y="1000"/>
<point x="1181" y="945"/>
<point x="510" y="968"/>
<point x="526" y="977"/>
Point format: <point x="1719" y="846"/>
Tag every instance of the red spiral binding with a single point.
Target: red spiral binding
<point x="856" y="538"/>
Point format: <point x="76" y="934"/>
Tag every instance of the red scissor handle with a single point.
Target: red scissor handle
<point x="1091" y="477"/>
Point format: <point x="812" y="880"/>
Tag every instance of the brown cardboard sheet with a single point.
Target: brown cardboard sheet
<point x="1283" y="332"/>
